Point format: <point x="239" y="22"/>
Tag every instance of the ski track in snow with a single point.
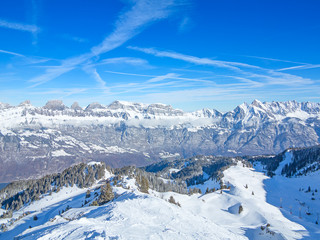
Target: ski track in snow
<point x="287" y="159"/>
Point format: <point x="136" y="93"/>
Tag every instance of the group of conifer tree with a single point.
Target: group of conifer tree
<point x="81" y="175"/>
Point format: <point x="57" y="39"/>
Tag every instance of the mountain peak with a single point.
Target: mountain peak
<point x="25" y="103"/>
<point x="257" y="103"/>
<point x="75" y="106"/>
<point x="94" y="105"/>
<point x="122" y="105"/>
<point x="4" y="105"/>
<point x="55" y="105"/>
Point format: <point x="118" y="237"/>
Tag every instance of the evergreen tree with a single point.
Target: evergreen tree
<point x="106" y="194"/>
<point x="144" y="185"/>
<point x="172" y="200"/>
<point x="20" y="202"/>
<point x="240" y="209"/>
<point x="88" y="194"/>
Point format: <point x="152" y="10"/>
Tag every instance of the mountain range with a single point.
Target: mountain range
<point x="35" y="141"/>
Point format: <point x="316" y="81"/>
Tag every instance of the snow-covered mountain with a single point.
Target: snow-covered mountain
<point x="247" y="208"/>
<point x="41" y="140"/>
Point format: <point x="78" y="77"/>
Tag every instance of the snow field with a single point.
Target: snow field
<point x="134" y="215"/>
<point x="297" y="203"/>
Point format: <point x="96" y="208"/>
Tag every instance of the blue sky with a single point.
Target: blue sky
<point x="191" y="54"/>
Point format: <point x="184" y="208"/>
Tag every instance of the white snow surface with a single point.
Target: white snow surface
<point x="296" y="202"/>
<point x="286" y="161"/>
<point x="257" y="211"/>
<point x="60" y="153"/>
<point x="134" y="215"/>
<point x="165" y="155"/>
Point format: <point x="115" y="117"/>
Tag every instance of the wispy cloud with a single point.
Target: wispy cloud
<point x="125" y="60"/>
<point x="185" y="24"/>
<point x="31" y="28"/>
<point x="248" y="82"/>
<point x="11" y="53"/>
<point x="163" y="77"/>
<point x="267" y="76"/>
<point x="192" y="70"/>
<point x="301" y="67"/>
<point x="154" y="84"/>
<point x="193" y="59"/>
<point x="51" y="73"/>
<point x="160" y="83"/>
<point x="272" y="59"/>
<point x="74" y="38"/>
<point x="130" y="74"/>
<point x="271" y="77"/>
<point x="96" y="76"/>
<point x="132" y="22"/>
<point x="19" y="26"/>
<point x="29" y="60"/>
<point x="166" y="76"/>
<point x="128" y="25"/>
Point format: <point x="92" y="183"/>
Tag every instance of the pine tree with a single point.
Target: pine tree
<point x="172" y="200"/>
<point x="106" y="194"/>
<point x="20" y="202"/>
<point x="240" y="209"/>
<point x="4" y="227"/>
<point x="144" y="185"/>
<point x="88" y="194"/>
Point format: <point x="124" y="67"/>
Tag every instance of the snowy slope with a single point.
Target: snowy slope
<point x="296" y="201"/>
<point x="134" y="215"/>
<point x="248" y="188"/>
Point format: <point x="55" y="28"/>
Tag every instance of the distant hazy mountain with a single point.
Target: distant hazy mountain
<point x="40" y="140"/>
